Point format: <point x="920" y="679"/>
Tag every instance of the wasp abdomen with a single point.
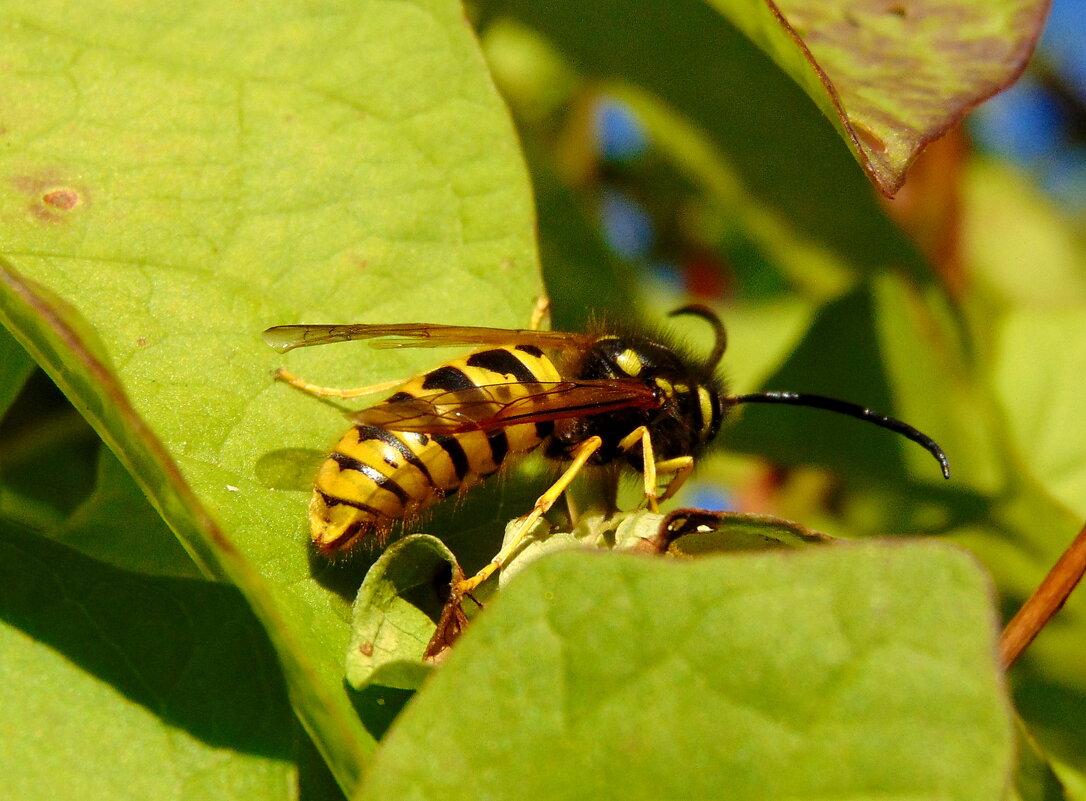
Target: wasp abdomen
<point x="376" y="476"/>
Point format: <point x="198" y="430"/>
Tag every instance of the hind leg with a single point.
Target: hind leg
<point x="541" y="312"/>
<point x="288" y="377"/>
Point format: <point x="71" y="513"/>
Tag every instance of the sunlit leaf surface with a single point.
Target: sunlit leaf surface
<point x="177" y="180"/>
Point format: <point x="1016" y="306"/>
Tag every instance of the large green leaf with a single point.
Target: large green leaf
<point x="179" y="179"/>
<point x="847" y="672"/>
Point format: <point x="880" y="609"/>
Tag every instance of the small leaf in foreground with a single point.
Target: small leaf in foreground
<point x="396" y="612"/>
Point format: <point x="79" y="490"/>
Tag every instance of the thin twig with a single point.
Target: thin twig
<point x="1046" y="601"/>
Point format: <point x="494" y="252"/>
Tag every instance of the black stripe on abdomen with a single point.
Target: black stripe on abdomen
<point x="366" y="432"/>
<point x="499" y="446"/>
<point x="501" y="361"/>
<point x="447" y="378"/>
<point x="346" y="462"/>
<point x="455" y="450"/>
<point x="384" y="482"/>
<point x="335" y="500"/>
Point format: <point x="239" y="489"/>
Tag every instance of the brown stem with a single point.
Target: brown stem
<point x="1046" y="601"/>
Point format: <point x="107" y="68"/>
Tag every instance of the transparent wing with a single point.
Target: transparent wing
<point x="493" y="406"/>
<point x="418" y="335"/>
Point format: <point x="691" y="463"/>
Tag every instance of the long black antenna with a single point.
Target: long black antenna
<point x="705" y="313"/>
<point x="852" y="410"/>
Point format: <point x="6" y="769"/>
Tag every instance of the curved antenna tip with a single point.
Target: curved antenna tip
<point x="852" y="410"/>
<point x="720" y="333"/>
<point x="943" y="463"/>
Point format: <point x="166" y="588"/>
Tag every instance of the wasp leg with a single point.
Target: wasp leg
<point x="540" y="311"/>
<point x="641" y="435"/>
<point x="679" y="468"/>
<point x="332" y="392"/>
<point x="581" y="455"/>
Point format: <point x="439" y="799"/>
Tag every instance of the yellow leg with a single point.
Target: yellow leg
<point x="581" y="456"/>
<point x="630" y="441"/>
<point x="679" y="467"/>
<point x="332" y="392"/>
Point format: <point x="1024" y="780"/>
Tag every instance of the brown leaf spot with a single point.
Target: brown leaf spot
<point x="51" y="197"/>
<point x="366" y="648"/>
<point x="64" y="198"/>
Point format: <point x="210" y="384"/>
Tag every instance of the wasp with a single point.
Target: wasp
<point x="608" y="396"/>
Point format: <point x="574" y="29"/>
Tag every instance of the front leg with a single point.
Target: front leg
<point x="679" y="467"/>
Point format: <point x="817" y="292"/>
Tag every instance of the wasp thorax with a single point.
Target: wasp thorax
<point x="687" y="418"/>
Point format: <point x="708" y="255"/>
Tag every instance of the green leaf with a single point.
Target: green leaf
<point x="116" y="685"/>
<point x="1034" y="779"/>
<point x="1042" y="397"/>
<point x="179" y="179"/>
<point x="841" y="672"/>
<point x="1007" y="224"/>
<point x="893" y="77"/>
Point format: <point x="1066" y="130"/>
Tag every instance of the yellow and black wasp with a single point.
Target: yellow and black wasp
<point x="603" y="397"/>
